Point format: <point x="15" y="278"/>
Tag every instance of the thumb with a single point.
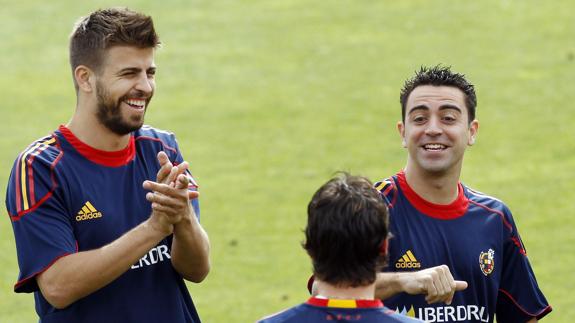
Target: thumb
<point x="460" y="285"/>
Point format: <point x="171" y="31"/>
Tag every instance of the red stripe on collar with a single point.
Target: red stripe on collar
<point x="345" y="303"/>
<point x="439" y="211"/>
<point x="101" y="157"/>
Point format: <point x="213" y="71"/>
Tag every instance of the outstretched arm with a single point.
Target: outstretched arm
<point x="436" y="283"/>
<point x="80" y="274"/>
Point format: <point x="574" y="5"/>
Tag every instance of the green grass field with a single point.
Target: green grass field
<point x="270" y="98"/>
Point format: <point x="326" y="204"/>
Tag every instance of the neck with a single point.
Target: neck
<point x="437" y="188"/>
<point x="335" y="292"/>
<point x="86" y="126"/>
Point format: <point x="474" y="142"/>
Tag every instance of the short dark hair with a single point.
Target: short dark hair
<point x="440" y="76"/>
<point x="106" y="28"/>
<point x="346" y="232"/>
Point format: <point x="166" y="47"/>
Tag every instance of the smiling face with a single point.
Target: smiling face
<point x="436" y="130"/>
<point x="124" y="88"/>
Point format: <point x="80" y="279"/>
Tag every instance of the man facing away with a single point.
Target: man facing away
<point x="446" y="235"/>
<point x="346" y="238"/>
<point x="92" y="245"/>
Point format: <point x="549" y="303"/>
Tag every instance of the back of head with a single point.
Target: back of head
<point x="440" y="76"/>
<point x="105" y="28"/>
<point x="346" y="232"/>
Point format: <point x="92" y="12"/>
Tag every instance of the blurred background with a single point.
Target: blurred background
<point x="269" y="98"/>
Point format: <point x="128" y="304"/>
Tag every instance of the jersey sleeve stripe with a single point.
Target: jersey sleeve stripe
<point x="27" y="175"/>
<point x="31" y="170"/>
<point x="507" y="224"/>
<point x="159" y="140"/>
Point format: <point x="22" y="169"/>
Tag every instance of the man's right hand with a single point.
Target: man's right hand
<point x="436" y="283"/>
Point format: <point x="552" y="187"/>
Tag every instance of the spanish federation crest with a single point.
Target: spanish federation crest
<point x="487" y="261"/>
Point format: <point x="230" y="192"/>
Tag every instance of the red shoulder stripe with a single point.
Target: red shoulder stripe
<point x="26" y="202"/>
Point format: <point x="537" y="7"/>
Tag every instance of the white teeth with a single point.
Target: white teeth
<point x="434" y="146"/>
<point x="136" y="102"/>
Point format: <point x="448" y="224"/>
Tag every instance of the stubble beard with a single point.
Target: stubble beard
<point x="109" y="113"/>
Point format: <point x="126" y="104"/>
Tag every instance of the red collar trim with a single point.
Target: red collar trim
<point x="345" y="303"/>
<point x="101" y="157"/>
<point x="439" y="211"/>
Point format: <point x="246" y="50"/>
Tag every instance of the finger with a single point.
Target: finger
<point x="182" y="167"/>
<point x="172" y="175"/>
<point x="193" y="195"/>
<point x="460" y="285"/>
<point x="182" y="182"/>
<point x="167" y="212"/>
<point x="160" y="188"/>
<point x="164" y="200"/>
<point x="162" y="158"/>
<point x="431" y="289"/>
<point x="165" y="166"/>
<point x="448" y="285"/>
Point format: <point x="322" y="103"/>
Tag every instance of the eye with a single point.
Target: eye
<point x="419" y="119"/>
<point x="449" y="118"/>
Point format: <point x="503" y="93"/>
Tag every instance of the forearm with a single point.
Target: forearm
<point x="78" y="275"/>
<point x="191" y="249"/>
<point x="387" y="285"/>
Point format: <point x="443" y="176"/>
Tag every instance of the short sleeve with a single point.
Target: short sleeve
<point x="42" y="229"/>
<point x="520" y="298"/>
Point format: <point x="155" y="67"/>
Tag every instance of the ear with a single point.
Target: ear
<point x="473" y="128"/>
<point x="384" y="247"/>
<point x="401" y="130"/>
<point x="85" y="78"/>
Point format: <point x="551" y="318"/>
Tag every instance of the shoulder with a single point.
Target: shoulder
<point x="387" y="187"/>
<point x="288" y="315"/>
<point x="33" y="177"/>
<point x="487" y="202"/>
<point x="46" y="150"/>
<point x="154" y="134"/>
<point x="160" y="139"/>
<point x="490" y="204"/>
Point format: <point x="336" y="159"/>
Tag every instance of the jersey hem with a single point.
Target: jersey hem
<point x="537" y="315"/>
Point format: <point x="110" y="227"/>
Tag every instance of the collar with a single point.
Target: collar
<point x="105" y="158"/>
<point x="345" y="303"/>
<point x="450" y="211"/>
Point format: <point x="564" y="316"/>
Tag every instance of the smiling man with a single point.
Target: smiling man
<point x="455" y="255"/>
<point x="93" y="245"/>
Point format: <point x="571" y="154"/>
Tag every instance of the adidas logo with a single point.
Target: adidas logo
<point x="88" y="212"/>
<point x="408" y="260"/>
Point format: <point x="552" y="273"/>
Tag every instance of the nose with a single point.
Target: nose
<point x="145" y="84"/>
<point x="433" y="127"/>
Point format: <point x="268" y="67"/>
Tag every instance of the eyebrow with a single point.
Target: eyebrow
<point x="446" y="106"/>
<point x="134" y="70"/>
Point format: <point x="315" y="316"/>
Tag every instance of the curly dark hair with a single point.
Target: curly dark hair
<point x="346" y="232"/>
<point x="106" y="28"/>
<point x="440" y="76"/>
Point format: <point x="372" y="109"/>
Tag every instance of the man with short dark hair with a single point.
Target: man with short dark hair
<point x="346" y="238"/>
<point x="92" y="244"/>
<point x="447" y="235"/>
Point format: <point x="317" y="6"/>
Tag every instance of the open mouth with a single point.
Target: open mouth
<point x="136" y="103"/>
